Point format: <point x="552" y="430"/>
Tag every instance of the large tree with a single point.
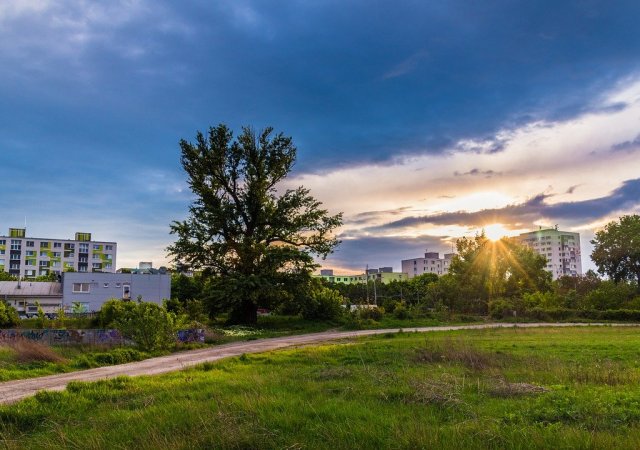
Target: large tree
<point x="616" y="249"/>
<point x="254" y="241"/>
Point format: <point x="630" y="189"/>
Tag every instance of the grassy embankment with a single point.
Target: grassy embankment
<point x="507" y="388"/>
<point x="26" y="360"/>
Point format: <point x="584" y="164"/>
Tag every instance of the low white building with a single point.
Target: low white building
<point x="431" y="263"/>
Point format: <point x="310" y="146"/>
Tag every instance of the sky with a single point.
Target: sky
<point x="422" y="121"/>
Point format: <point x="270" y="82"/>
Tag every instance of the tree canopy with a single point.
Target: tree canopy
<point x="486" y="270"/>
<point x="253" y="239"/>
<point x="616" y="249"/>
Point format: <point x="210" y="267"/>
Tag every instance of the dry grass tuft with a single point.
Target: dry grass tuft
<point x="504" y="389"/>
<point x="458" y="351"/>
<point x="27" y="351"/>
<point x="434" y="392"/>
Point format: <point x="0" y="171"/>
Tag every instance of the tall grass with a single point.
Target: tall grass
<point x="473" y="389"/>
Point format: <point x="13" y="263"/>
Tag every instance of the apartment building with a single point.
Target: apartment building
<point x="431" y="263"/>
<point x="29" y="257"/>
<point x="561" y="248"/>
<point x="382" y="275"/>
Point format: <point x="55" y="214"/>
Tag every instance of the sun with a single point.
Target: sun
<point x="495" y="231"/>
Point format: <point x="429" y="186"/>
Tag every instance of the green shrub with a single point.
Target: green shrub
<point x="323" y="304"/>
<point x="8" y="316"/>
<point x="373" y="313"/>
<point x="147" y="324"/>
<point x="400" y="311"/>
<point x="501" y="308"/>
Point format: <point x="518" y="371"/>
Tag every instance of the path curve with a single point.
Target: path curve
<point x="13" y="391"/>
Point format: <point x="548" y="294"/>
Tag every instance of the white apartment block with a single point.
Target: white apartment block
<point x="561" y="248"/>
<point x="431" y="263"/>
<point x="29" y="257"/>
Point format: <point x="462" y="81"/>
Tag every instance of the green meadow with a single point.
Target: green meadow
<point x="502" y="388"/>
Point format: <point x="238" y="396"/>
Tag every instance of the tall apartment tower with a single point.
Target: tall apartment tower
<point x="561" y="248"/>
<point x="431" y="263"/>
<point x="29" y="257"/>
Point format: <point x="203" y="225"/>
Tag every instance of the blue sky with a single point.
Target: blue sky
<point x="422" y="121"/>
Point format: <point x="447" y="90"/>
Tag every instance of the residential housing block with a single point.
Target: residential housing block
<point x="431" y="263"/>
<point x="29" y="257"/>
<point x="561" y="248"/>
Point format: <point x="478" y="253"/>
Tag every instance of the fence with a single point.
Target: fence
<point x="92" y="337"/>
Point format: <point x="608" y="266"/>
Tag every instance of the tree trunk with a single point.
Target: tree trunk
<point x="246" y="313"/>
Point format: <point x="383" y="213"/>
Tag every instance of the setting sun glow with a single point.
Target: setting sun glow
<point x="495" y="231"/>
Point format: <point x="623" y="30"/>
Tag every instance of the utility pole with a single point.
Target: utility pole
<point x="375" y="293"/>
<point x="366" y="282"/>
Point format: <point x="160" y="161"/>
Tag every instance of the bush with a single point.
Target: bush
<point x="501" y="308"/>
<point x="147" y="324"/>
<point x="8" y="316"/>
<point x="400" y="311"/>
<point x="373" y="313"/>
<point x="324" y="304"/>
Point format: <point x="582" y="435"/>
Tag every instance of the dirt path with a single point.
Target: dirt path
<point x="12" y="391"/>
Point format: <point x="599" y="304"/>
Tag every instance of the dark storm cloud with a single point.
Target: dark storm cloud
<point x="352" y="82"/>
<point x="525" y="214"/>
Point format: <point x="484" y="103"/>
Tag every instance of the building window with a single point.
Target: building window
<point x="14" y="266"/>
<point x="30" y="244"/>
<point x="44" y="244"/>
<point x="44" y="263"/>
<point x="57" y="254"/>
<point x="84" y="248"/>
<point x="57" y="245"/>
<point x="16" y="244"/>
<point x="108" y="247"/>
<point x="96" y="246"/>
<point x="44" y="253"/>
<point x="3" y="242"/>
<point x="107" y="266"/>
<point x="83" y="288"/>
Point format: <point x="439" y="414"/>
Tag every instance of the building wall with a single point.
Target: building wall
<point x="29" y="257"/>
<point x="431" y="263"/>
<point x="561" y="248"/>
<point x="382" y="277"/>
<point x="93" y="289"/>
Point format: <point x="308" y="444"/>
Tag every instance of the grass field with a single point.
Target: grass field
<point x="507" y="388"/>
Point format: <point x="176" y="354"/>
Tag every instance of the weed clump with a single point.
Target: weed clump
<point x="504" y="389"/>
<point x="458" y="351"/>
<point x="26" y="351"/>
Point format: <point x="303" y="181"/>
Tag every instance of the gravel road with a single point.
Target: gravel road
<point x="13" y="391"/>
